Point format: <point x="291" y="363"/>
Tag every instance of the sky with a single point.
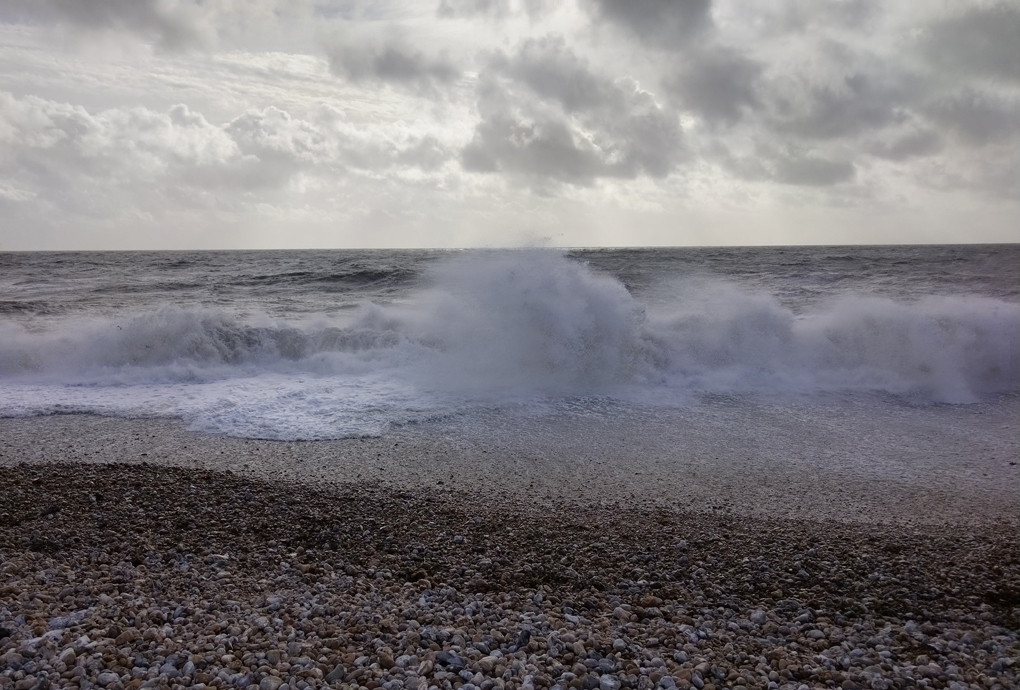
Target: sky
<point x="221" y="124"/>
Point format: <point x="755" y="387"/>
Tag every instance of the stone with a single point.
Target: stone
<point x="107" y="678"/>
<point x="449" y="659"/>
<point x="523" y="639"/>
<point x="270" y="683"/>
<point x="608" y="682"/>
<point x="126" y="637"/>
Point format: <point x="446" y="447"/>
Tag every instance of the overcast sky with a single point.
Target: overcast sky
<point x="137" y="124"/>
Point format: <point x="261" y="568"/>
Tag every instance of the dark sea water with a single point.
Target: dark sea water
<point x="330" y="344"/>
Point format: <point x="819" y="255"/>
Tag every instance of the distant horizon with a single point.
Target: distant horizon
<point x="515" y="248"/>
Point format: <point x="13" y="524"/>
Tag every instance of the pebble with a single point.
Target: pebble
<point x="364" y="588"/>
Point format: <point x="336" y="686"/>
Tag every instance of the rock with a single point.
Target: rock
<point x="619" y="645"/>
<point x="449" y="659"/>
<point x="107" y="678"/>
<point x="523" y="639"/>
<point x="127" y="637"/>
<point x="336" y="675"/>
<point x="270" y="683"/>
<point x="608" y="682"/>
<point x="67" y="621"/>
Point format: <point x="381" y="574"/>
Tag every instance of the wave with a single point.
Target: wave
<point x="537" y="322"/>
<point x="26" y="307"/>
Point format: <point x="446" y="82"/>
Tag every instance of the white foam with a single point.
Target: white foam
<point x="499" y="327"/>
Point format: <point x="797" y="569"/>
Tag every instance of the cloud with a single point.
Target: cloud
<point x="812" y="17"/>
<point x="664" y="24"/>
<point x="99" y="163"/>
<point x="318" y="106"/>
<point x="330" y="144"/>
<point x="793" y="167"/>
<point x="172" y="25"/>
<point x="494" y="9"/>
<point x="372" y="59"/>
<point x="718" y="84"/>
<point x="788" y="164"/>
<point x="982" y="41"/>
<point x="902" y="143"/>
<point x="547" y="115"/>
<point x="843" y="103"/>
<point x="977" y="115"/>
<point x="449" y="9"/>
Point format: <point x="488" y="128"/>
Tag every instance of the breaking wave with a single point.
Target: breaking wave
<point x="509" y="326"/>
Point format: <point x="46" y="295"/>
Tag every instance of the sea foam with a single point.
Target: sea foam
<point x="504" y="327"/>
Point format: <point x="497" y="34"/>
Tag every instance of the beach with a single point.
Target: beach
<point x="139" y="554"/>
<point x="770" y="468"/>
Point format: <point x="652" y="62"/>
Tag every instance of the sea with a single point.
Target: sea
<point x="526" y="343"/>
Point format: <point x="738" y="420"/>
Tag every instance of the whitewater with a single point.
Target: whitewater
<point x="329" y="345"/>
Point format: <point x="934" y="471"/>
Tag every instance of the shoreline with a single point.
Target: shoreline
<point x="141" y="575"/>
<point x="661" y="468"/>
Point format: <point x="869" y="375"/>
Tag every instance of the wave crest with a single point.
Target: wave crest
<point x="536" y="322"/>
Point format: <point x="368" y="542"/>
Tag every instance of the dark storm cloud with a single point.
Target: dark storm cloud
<point x="361" y="60"/>
<point x="980" y="41"/>
<point x="718" y="84"/>
<point x="545" y="114"/>
<point x="171" y="25"/>
<point x="666" y="24"/>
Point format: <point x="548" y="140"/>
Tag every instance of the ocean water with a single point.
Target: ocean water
<point x="306" y="345"/>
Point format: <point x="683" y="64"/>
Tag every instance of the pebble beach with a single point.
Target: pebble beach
<point x="147" y="573"/>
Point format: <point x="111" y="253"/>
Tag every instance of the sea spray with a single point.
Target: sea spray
<point x="494" y="328"/>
